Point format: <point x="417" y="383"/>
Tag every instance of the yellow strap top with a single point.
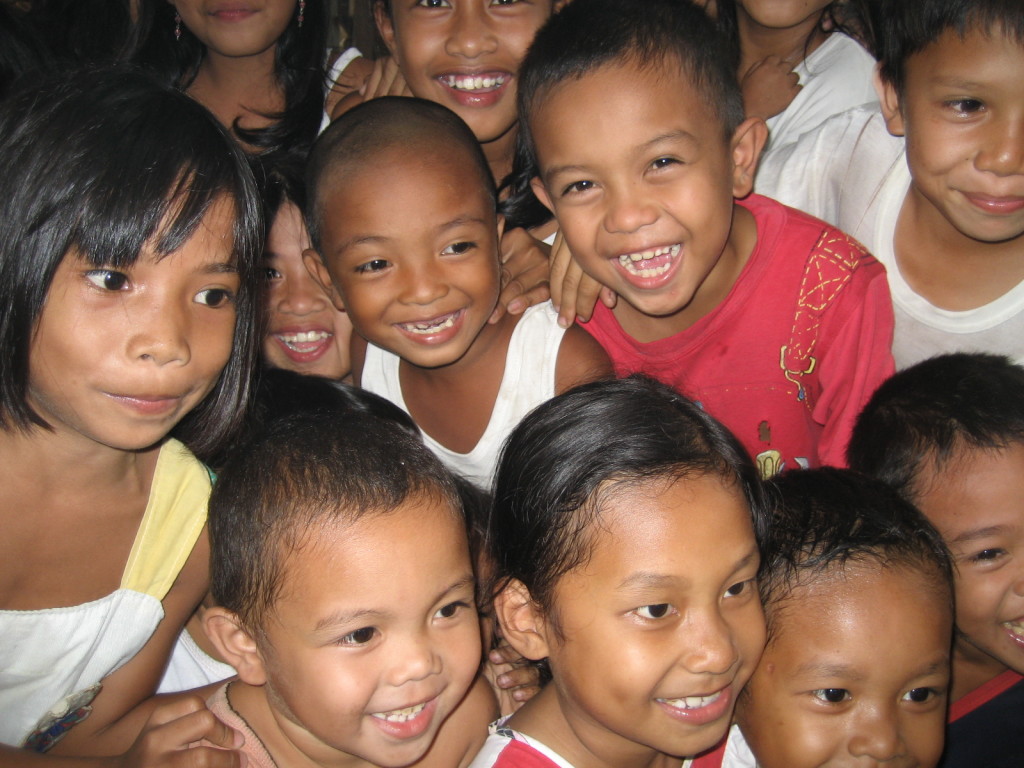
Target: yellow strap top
<point x="174" y="518"/>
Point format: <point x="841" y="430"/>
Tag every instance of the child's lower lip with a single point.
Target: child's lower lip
<point x="713" y="707"/>
<point x="235" y="14"/>
<point x="147" y="405"/>
<point x="410" y="728"/>
<point x="997" y="205"/>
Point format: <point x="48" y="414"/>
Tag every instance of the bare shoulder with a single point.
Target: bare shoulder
<point x="580" y="360"/>
<point x="464" y="732"/>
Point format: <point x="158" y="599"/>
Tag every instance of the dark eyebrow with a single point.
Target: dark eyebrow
<point x="648" y="579"/>
<point x="219" y="268"/>
<point x="670" y="136"/>
<point x="979" y="533"/>
<point x="459" y="221"/>
<point x="827" y="669"/>
<point x="349" y="618"/>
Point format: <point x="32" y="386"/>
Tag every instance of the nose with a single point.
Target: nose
<point x="876" y="735"/>
<point x="422" y="284"/>
<point x="471" y="34"/>
<point x="629" y="211"/>
<point x="160" y="333"/>
<point x="1002" y="152"/>
<point x="415" y="658"/>
<point x="300" y="295"/>
<point x="711" y="647"/>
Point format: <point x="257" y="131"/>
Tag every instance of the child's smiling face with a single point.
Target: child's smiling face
<point x="414" y="252"/>
<point x="464" y="54"/>
<point x="637" y="169"/>
<point x="856" y="672"/>
<point x="374" y="639"/>
<point x="975" y="503"/>
<point x="651" y="640"/>
<point x="962" y="112"/>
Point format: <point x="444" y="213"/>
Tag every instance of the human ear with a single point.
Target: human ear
<point x="318" y="271"/>
<point x="235" y="645"/>
<point x="890" y="102"/>
<point x="522" y="622"/>
<point x="385" y="26"/>
<point x="747" y="142"/>
<point x="542" y="193"/>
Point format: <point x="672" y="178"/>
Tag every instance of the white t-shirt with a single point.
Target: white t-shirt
<point x="835" y="77"/>
<point x="853" y="173"/>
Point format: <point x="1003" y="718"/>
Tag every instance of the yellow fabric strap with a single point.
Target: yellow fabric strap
<point x="174" y="518"/>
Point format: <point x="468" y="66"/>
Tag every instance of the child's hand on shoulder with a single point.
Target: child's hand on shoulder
<point x="513" y="679"/>
<point x="167" y="739"/>
<point x="524" y="273"/>
<point x="573" y="292"/>
<point x="769" y="86"/>
<point x="376" y="78"/>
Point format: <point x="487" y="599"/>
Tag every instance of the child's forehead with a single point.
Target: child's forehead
<point x="973" y="486"/>
<point x="974" y="43"/>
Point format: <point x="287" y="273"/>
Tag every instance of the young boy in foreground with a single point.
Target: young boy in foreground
<point x="340" y="562"/>
<point x="933" y="183"/>
<point x="778" y="324"/>
<point x="858" y="596"/>
<point x="948" y="434"/>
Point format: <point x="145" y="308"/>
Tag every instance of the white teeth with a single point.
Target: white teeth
<point x="428" y="328"/>
<point x="1017" y="626"/>
<point x="290" y="340"/>
<point x="400" y="715"/>
<point x="630" y="261"/>
<point x="473" y="83"/>
<point x="692" y="702"/>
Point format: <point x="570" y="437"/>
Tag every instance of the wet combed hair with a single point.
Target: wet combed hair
<point x="906" y="28"/>
<point x="298" y="67"/>
<point x="930" y="414"/>
<point x="303" y="474"/>
<point x="101" y="163"/>
<point x="361" y="135"/>
<point x="559" y="464"/>
<point x="825" y="519"/>
<point x="588" y="34"/>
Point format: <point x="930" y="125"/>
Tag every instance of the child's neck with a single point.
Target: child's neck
<point x="499" y="155"/>
<point x="453" y="404"/>
<point x="791" y="43"/>
<point x="582" y="743"/>
<point x="708" y="296"/>
<point x="972" y="668"/>
<point x="245" y="88"/>
<point x="949" y="269"/>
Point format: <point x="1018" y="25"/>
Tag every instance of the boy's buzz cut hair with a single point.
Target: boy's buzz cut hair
<point x="827" y="518"/>
<point x="357" y="138"/>
<point x="931" y="413"/>
<point x="588" y="34"/>
<point x="303" y="474"/>
<point x="906" y="28"/>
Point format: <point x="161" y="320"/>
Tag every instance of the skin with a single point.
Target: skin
<point x="665" y="607"/>
<point x="424" y="286"/>
<point x="236" y="78"/>
<point x="433" y="42"/>
<point x="627" y="170"/>
<point x="856" y="673"/>
<point x="117" y="358"/>
<point x="974" y="502"/>
<point x="959" y="234"/>
<point x="297" y="304"/>
<point x="375" y="616"/>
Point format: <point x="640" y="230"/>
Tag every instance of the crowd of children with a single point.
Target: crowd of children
<point x="306" y="470"/>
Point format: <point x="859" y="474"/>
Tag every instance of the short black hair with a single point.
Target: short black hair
<point x="358" y="137"/>
<point x="931" y="413"/>
<point x="556" y="464"/>
<point x="100" y="163"/>
<point x="588" y="34"/>
<point x="906" y="28"/>
<point x="823" y="519"/>
<point x="304" y="472"/>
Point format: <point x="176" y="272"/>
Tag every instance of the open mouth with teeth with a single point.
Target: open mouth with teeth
<point x="692" y="702"/>
<point x="433" y="326"/>
<point x="653" y="262"/>
<point x="401" y="715"/>
<point x="306" y="341"/>
<point x="482" y="83"/>
<point x="1016" y="628"/>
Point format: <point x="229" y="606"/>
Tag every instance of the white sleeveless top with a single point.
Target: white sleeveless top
<point x="52" y="660"/>
<point x="528" y="381"/>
